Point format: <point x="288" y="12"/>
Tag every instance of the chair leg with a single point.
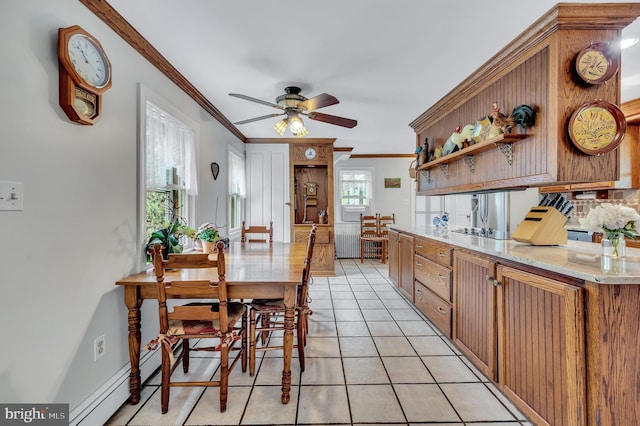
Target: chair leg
<point x="252" y="342"/>
<point x="265" y="322"/>
<point x="301" y="338"/>
<point x="243" y="343"/>
<point x="166" y="372"/>
<point x="224" y="377"/>
<point x="185" y="355"/>
<point x="361" y="251"/>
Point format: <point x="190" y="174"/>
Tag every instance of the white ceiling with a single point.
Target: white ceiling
<point x="387" y="61"/>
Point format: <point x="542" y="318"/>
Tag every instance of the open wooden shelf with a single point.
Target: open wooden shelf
<point x="489" y="144"/>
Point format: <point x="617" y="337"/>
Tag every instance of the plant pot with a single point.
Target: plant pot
<point x="209" y="247"/>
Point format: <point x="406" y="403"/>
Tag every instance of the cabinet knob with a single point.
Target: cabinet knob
<point x="442" y="311"/>
<point x="487" y="277"/>
<point x="496" y="283"/>
<point x="419" y="245"/>
<point x="418" y="264"/>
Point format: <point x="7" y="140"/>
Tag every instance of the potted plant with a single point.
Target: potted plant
<point x="169" y="238"/>
<point x="208" y="234"/>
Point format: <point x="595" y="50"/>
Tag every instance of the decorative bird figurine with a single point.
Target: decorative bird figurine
<point x="522" y="115"/>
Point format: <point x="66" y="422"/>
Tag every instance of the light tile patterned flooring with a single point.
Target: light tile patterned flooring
<point x="371" y="359"/>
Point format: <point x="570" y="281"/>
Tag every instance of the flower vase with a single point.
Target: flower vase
<point x="208" y="246"/>
<point x="614" y="245"/>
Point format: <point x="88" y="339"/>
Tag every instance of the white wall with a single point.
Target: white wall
<point x="76" y="235"/>
<point x="386" y="200"/>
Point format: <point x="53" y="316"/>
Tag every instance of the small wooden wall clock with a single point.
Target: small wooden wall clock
<point x="85" y="74"/>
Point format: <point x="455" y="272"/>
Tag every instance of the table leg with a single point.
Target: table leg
<point x="133" y="302"/>
<point x="289" y="317"/>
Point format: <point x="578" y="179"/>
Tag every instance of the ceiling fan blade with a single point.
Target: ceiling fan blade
<point x="260" y="101"/>
<point x="332" y="119"/>
<point x="317" y="102"/>
<point x="257" y="118"/>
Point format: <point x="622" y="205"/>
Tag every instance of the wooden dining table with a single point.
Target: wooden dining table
<point x="253" y="270"/>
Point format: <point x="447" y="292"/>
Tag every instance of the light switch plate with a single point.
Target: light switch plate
<point x="11" y="195"/>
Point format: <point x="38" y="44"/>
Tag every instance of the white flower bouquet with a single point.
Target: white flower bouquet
<point x="611" y="219"/>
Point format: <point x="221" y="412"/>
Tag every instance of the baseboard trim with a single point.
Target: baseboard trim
<point x="105" y="401"/>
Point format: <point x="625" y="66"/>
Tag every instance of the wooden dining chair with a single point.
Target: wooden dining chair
<point x="217" y="318"/>
<point x="371" y="244"/>
<point x="263" y="230"/>
<point x="267" y="316"/>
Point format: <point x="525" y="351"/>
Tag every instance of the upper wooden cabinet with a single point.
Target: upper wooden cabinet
<point x="536" y="69"/>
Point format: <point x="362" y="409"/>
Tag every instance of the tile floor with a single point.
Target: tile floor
<point x="372" y="359"/>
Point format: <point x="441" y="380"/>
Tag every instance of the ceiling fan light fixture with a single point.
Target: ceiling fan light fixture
<point x="281" y="126"/>
<point x="302" y="132"/>
<point x="295" y="124"/>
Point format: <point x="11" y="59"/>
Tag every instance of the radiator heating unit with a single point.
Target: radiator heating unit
<point x="348" y="246"/>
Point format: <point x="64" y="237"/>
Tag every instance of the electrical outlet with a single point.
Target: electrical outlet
<point x="99" y="347"/>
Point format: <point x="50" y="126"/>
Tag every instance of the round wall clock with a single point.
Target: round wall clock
<point x="597" y="127"/>
<point x="85" y="74"/>
<point x="596" y="63"/>
<point x="310" y="153"/>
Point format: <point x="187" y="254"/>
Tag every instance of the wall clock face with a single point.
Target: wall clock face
<point x="85" y="74"/>
<point x="597" y="127"/>
<point x="310" y="153"/>
<point x="596" y="63"/>
<point x="89" y="60"/>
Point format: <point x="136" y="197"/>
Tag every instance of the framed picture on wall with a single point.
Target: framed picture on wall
<point x="392" y="182"/>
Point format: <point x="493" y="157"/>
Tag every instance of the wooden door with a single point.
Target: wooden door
<point x="405" y="281"/>
<point x="541" y="346"/>
<point x="393" y="249"/>
<point x="474" y="322"/>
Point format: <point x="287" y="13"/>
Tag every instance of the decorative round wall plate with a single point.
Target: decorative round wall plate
<point x="597" y="127"/>
<point x="597" y="63"/>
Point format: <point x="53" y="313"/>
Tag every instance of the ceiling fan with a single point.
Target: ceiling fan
<point x="293" y="106"/>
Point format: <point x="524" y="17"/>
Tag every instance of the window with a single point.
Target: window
<point x="237" y="190"/>
<point x="355" y="187"/>
<point x="170" y="169"/>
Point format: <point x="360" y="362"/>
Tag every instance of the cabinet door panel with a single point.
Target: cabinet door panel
<point x="475" y="319"/>
<point x="540" y="336"/>
<point x="405" y="283"/>
<point x="393" y="256"/>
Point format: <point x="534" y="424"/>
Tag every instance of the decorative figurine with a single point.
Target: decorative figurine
<point x="522" y="115"/>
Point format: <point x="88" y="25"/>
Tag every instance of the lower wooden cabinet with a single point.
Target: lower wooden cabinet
<point x="541" y="346"/>
<point x="474" y="323"/>
<point x="393" y="253"/>
<point x="405" y="279"/>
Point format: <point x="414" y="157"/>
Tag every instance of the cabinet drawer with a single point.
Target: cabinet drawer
<point x="323" y="236"/>
<point x="433" y="276"/>
<point x="438" y="253"/>
<point x="434" y="308"/>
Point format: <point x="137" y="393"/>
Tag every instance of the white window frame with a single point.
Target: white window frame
<point x="146" y="94"/>
<point x="353" y="170"/>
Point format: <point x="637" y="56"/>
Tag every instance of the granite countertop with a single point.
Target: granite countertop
<point x="579" y="259"/>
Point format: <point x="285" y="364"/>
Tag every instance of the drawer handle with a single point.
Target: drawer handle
<point x="441" y="254"/>
<point x="419" y="246"/>
<point x="418" y="264"/>
<point x="442" y="311"/>
<point x="441" y="276"/>
<point x="418" y="291"/>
